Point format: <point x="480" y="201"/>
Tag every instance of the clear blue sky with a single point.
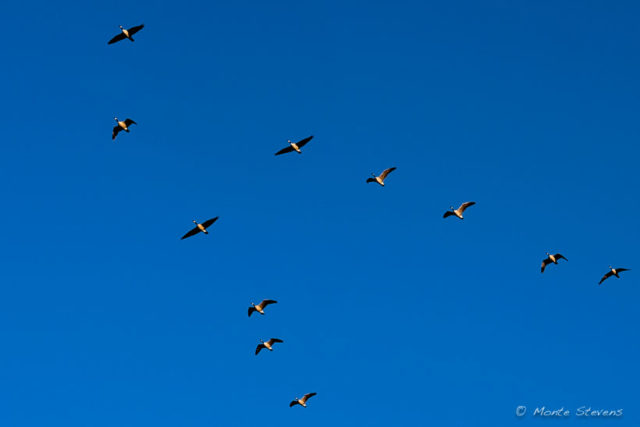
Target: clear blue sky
<point x="394" y="316"/>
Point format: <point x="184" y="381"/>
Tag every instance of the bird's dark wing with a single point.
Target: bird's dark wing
<point x="208" y="222"/>
<point x="251" y="310"/>
<point x="303" y="142"/>
<point x="285" y="150"/>
<point x="621" y="269"/>
<point x="129" y="122"/>
<point x="560" y="256"/>
<point x="447" y="213"/>
<point x="275" y="340"/>
<point x="293" y="403"/>
<point x="545" y="262"/>
<point x="134" y="30"/>
<point x="117" y="38"/>
<point x="307" y="396"/>
<point x="370" y="180"/>
<point x="266" y="302"/>
<point x="386" y="172"/>
<point x="190" y="233"/>
<point x="258" y="348"/>
<point x="466" y="205"/>
<point x="605" y="277"/>
<point x="116" y="129"/>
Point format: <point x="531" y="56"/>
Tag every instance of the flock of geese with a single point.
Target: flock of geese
<point x="296" y="146"/>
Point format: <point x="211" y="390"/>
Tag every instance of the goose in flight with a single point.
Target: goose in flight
<point x="613" y="272"/>
<point x="267" y="344"/>
<point x="200" y="227"/>
<point x="458" y="212"/>
<point x="302" y="401"/>
<point x="126" y="34"/>
<point x="551" y="259"/>
<point x="295" y="146"/>
<point x="121" y="125"/>
<point x="260" y="307"/>
<point x="380" y="178"/>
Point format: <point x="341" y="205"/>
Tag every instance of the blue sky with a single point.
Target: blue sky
<point x="391" y="314"/>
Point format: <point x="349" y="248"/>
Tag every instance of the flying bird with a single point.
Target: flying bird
<point x="380" y="178"/>
<point x="551" y="259"/>
<point x="126" y="34"/>
<point x="260" y="307"/>
<point x="200" y="227"/>
<point x="267" y="344"/>
<point x="613" y="272"/>
<point x="458" y="212"/>
<point x="302" y="401"/>
<point x="295" y="146"/>
<point x="121" y="125"/>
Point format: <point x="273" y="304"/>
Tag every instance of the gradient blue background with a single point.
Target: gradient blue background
<point x="391" y="314"/>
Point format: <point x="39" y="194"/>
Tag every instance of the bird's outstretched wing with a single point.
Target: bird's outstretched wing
<point x="274" y="340"/>
<point x="370" y="180"/>
<point x="447" y="213"/>
<point x="117" y="38"/>
<point x="129" y="122"/>
<point x="251" y="310"/>
<point x="259" y="347"/>
<point x="621" y="269"/>
<point x="386" y="172"/>
<point x="307" y="396"/>
<point x="208" y="222"/>
<point x="605" y="277"/>
<point x="560" y="256"/>
<point x="135" y="29"/>
<point x="285" y="150"/>
<point x="266" y="302"/>
<point x="116" y="129"/>
<point x="466" y="205"/>
<point x="192" y="232"/>
<point x="545" y="262"/>
<point x="303" y="142"/>
<point x="293" y="403"/>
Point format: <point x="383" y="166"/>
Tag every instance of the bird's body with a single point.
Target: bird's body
<point x="551" y="259"/>
<point x="295" y="146"/>
<point x="200" y="227"/>
<point x="126" y="33"/>
<point x="121" y="125"/>
<point x="379" y="179"/>
<point x="260" y="307"/>
<point x="302" y="401"/>
<point x="458" y="212"/>
<point x="613" y="272"/>
<point x="267" y="344"/>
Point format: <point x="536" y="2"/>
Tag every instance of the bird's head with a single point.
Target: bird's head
<point x="548" y="254"/>
<point x="194" y="221"/>
<point x="252" y="304"/>
<point x="451" y="207"/>
<point x="115" y="118"/>
<point x="121" y="27"/>
<point x="610" y="268"/>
